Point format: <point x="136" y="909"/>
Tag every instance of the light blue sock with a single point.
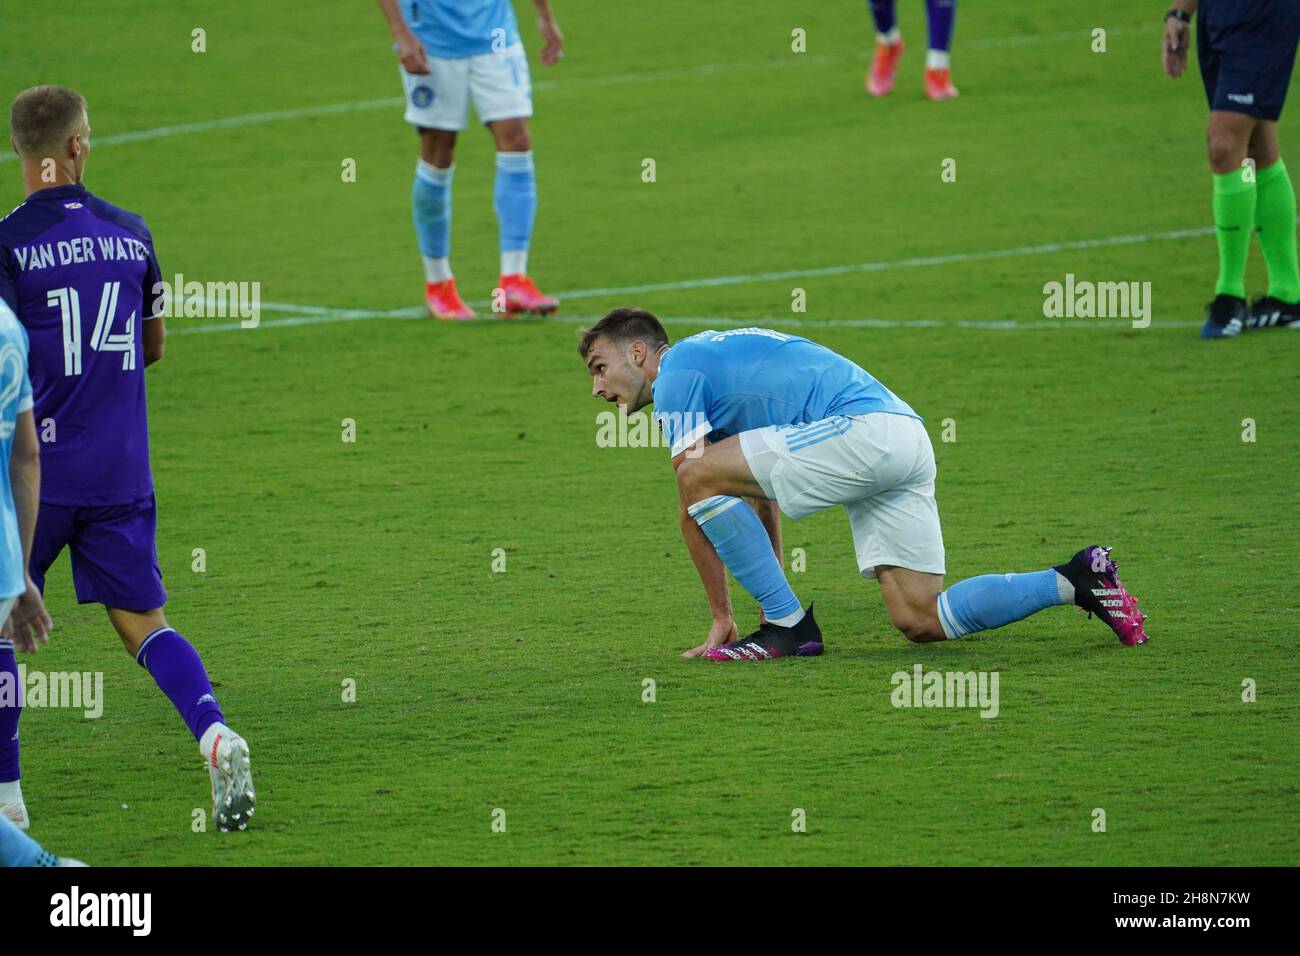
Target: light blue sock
<point x="515" y="200"/>
<point x="991" y="600"/>
<point x="744" y="547"/>
<point x="18" y="849"/>
<point x="431" y="207"/>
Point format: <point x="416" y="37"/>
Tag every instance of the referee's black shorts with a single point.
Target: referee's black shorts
<point x="1247" y="49"/>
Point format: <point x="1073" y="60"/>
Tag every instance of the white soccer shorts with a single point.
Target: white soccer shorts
<point x="879" y="466"/>
<point x="498" y="83"/>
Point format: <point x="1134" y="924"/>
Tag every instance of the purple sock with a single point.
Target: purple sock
<point x="941" y="14"/>
<point x="178" y="670"/>
<point x="10" y="710"/>
<point x="882" y="11"/>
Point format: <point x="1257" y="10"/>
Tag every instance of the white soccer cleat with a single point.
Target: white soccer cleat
<point x="12" y="806"/>
<point x="69" y="861"/>
<point x="233" y="799"/>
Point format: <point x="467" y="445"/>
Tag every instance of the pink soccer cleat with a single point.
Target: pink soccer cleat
<point x="938" y="84"/>
<point x="1098" y="590"/>
<point x="884" y="67"/>
<point x="523" y="297"/>
<point x="444" y="302"/>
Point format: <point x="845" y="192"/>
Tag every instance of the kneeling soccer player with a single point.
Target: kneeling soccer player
<point x="761" y="415"/>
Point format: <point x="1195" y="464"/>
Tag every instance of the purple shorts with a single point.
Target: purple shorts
<point x="114" y="556"/>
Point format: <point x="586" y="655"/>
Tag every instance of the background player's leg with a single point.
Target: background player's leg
<point x="1275" y="211"/>
<point x="178" y="670"/>
<point x="889" y="47"/>
<point x="938" y="74"/>
<point x="885" y="18"/>
<point x="514" y="196"/>
<point x="54" y="527"/>
<point x="431" y="202"/>
<point x="11" y="794"/>
<point x="173" y="663"/>
<point x="1227" y="138"/>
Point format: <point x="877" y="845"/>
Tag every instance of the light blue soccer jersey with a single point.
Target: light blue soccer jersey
<point x="15" y="398"/>
<point x="718" y="384"/>
<point x="452" y="29"/>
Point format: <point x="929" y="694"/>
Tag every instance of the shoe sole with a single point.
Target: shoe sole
<point x="240" y="803"/>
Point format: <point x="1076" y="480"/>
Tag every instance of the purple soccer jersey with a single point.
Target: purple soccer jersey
<point x="81" y="275"/>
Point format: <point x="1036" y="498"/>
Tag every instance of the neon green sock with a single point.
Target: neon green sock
<point x="1275" y="226"/>
<point x="1234" y="214"/>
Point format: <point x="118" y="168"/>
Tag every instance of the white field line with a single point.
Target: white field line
<point x="316" y="314"/>
<point x="616" y="79"/>
<point x="771" y="321"/>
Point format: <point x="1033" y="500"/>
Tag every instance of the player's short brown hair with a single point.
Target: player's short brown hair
<point x="625" y="325"/>
<point x="43" y="117"/>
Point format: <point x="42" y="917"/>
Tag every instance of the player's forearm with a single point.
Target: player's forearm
<point x="713" y="573"/>
<point x="25" y="481"/>
<point x="396" y="22"/>
<point x="544" y="9"/>
<point x="154" y="335"/>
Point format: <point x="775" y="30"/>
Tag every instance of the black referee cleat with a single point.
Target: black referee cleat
<point x="1268" y="311"/>
<point x="1225" y="317"/>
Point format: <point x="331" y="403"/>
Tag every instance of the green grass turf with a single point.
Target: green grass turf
<point x="522" y="690"/>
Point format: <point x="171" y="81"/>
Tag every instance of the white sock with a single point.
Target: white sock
<point x="514" y="263"/>
<point x="892" y="37"/>
<point x="437" y="175"/>
<point x="437" y="270"/>
<point x="210" y="736"/>
<point x="936" y="59"/>
<point x="11" y="792"/>
<point x="1065" y="588"/>
<point x="790" y="620"/>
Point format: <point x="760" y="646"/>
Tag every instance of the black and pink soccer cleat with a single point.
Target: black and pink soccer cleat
<point x="1098" y="590"/>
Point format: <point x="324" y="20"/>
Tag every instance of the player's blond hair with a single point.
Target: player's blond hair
<point x="43" y="117"/>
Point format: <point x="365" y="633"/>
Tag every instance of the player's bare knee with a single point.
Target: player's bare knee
<point x="1226" y="151"/>
<point x="917" y="627"/>
<point x="693" y="480"/>
<point x="438" y="147"/>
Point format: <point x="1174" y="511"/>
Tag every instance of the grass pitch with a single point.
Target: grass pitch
<point x="371" y="562"/>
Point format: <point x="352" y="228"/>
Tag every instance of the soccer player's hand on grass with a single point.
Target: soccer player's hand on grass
<point x="411" y="54"/>
<point x="722" y="632"/>
<point x="553" y="48"/>
<point x="1177" y="36"/>
<point x="29" y="624"/>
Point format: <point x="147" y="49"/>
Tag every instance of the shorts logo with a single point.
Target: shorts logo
<point x="1245" y="99"/>
<point x="422" y="96"/>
